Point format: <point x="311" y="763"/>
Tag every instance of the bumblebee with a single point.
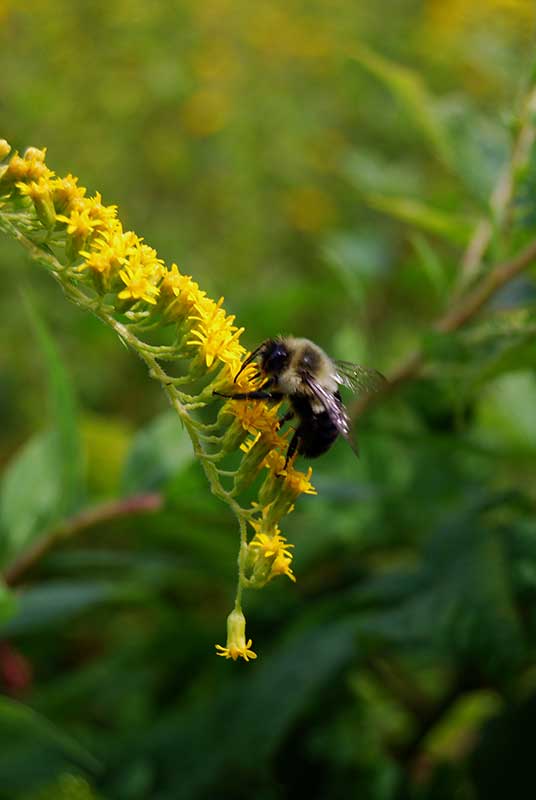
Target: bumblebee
<point x="300" y="371"/>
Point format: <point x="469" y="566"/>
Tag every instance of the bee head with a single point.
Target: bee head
<point x="274" y="357"/>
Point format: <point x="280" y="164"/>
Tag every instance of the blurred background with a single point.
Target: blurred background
<point x="323" y="165"/>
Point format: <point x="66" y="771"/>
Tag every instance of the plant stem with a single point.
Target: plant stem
<point x="461" y="312"/>
<point x="138" y="504"/>
<point x="502" y="195"/>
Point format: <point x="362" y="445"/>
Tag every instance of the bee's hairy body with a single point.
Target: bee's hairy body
<point x="316" y="432"/>
<point x="304" y="357"/>
<point x="297" y="369"/>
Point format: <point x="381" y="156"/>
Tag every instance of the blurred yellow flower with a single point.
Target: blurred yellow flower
<point x="5" y="148"/>
<point x="454" y="19"/>
<point x="309" y="209"/>
<point x="205" y="112"/>
<point x="216" y="62"/>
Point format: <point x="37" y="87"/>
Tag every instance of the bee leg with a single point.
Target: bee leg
<point x="285" y="418"/>
<point x="258" y="395"/>
<point x="294" y="442"/>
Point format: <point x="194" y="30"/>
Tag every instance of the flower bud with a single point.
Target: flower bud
<point x="236" y="638"/>
<point x="5" y="148"/>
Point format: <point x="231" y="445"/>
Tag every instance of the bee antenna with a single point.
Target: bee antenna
<point x="248" y="361"/>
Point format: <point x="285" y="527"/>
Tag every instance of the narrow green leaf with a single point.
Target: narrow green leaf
<point x="256" y="711"/>
<point x="30" y="494"/>
<point x="20" y="719"/>
<point x="430" y="263"/>
<point x="44" y="482"/>
<point x="452" y="227"/>
<point x="56" y="602"/>
<point x="279" y="691"/>
<point x="64" y="414"/>
<point x="8" y="603"/>
<point x="409" y="89"/>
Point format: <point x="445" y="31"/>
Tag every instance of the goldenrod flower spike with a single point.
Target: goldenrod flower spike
<point x="118" y="277"/>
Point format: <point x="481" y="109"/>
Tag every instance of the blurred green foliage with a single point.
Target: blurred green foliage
<point x="323" y="165"/>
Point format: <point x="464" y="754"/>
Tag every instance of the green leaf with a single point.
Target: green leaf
<point x="257" y="712"/>
<point x="430" y="263"/>
<point x="157" y="453"/>
<point x="279" y="691"/>
<point x="64" y="414"/>
<point x="458" y="602"/>
<point x="486" y="350"/>
<point x="506" y="411"/>
<point x="43" y="483"/>
<point x="356" y="259"/>
<point x="66" y="787"/>
<point x="451" y="227"/>
<point x="55" y="602"/>
<point x="409" y="89"/>
<point x="8" y="603"/>
<point x="30" y="494"/>
<point x="17" y="719"/>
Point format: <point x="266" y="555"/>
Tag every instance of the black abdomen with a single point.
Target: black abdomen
<point x="316" y="432"/>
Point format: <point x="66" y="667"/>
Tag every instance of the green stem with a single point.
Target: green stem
<point x="182" y="403"/>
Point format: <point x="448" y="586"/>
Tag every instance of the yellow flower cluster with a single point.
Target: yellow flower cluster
<point x="119" y="261"/>
<point x="102" y="258"/>
<point x="269" y="553"/>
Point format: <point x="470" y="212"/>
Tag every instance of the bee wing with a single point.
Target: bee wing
<point x="361" y="380"/>
<point x="334" y="408"/>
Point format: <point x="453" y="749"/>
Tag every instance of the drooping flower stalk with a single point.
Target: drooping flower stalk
<point x="118" y="277"/>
